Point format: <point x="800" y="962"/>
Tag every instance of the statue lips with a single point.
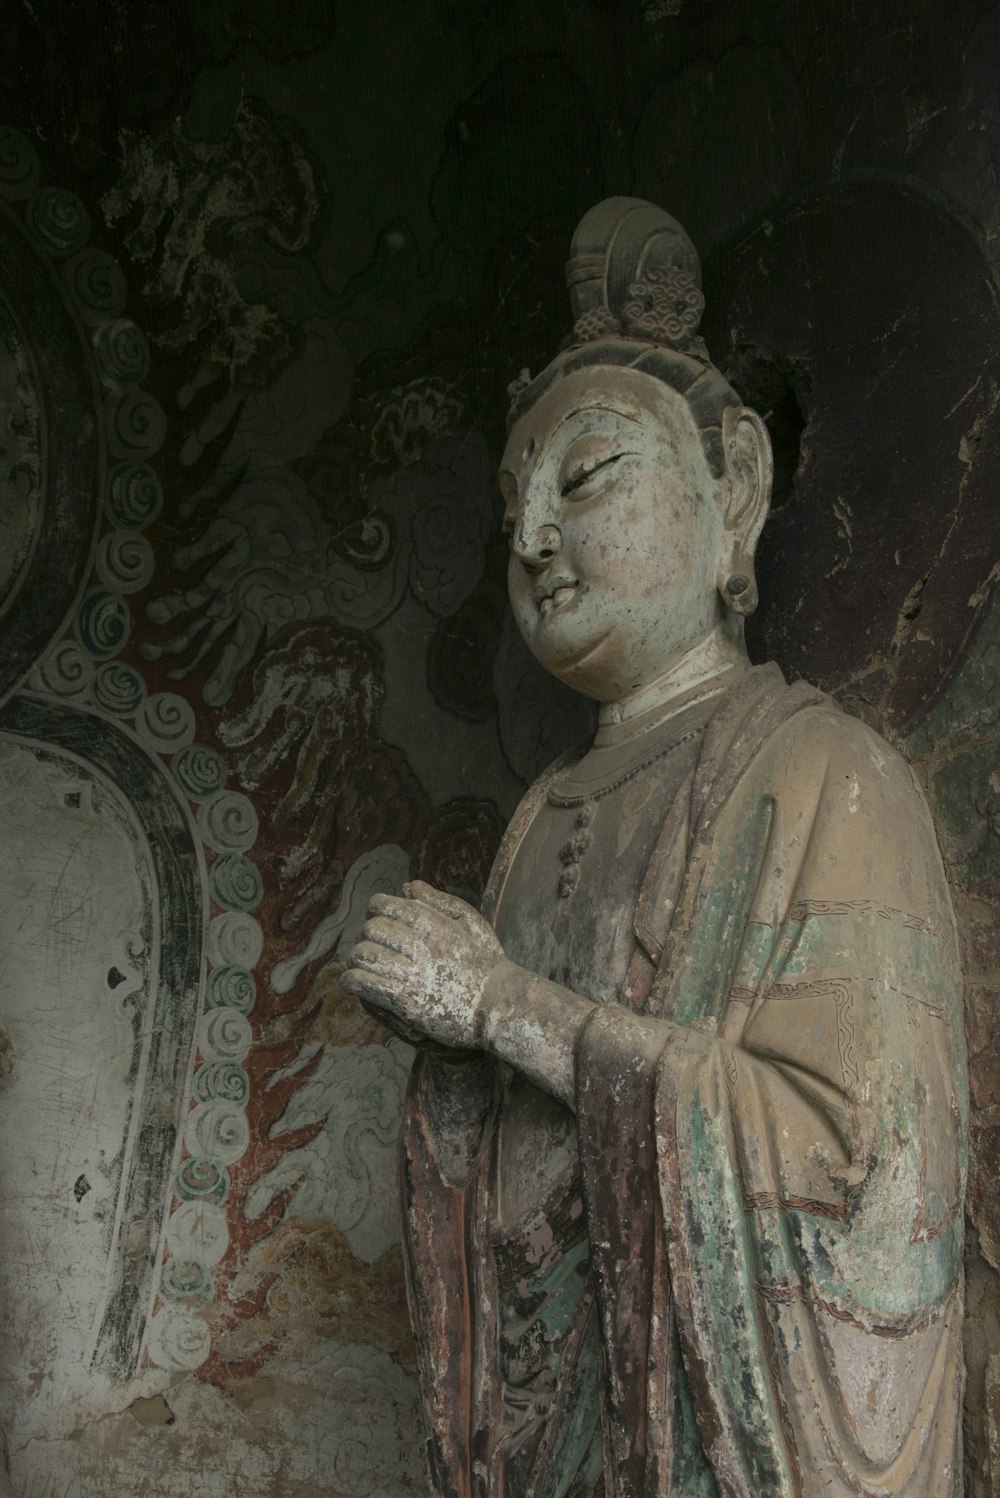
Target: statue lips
<point x="554" y="593"/>
<point x="554" y="596"/>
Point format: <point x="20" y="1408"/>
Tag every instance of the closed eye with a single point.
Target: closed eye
<point x="580" y="477"/>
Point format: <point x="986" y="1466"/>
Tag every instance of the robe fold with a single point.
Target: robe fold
<point x="771" y="1123"/>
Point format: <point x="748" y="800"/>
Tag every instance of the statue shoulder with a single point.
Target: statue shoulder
<point x="822" y="740"/>
<point x="789" y="739"/>
<point x="850" y="813"/>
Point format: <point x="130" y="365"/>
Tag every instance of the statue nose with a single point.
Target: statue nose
<point x="535" y="547"/>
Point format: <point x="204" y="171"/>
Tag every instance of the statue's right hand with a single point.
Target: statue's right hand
<point x="421" y="965"/>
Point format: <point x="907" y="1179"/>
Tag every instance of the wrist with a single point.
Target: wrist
<point x="532" y="1025"/>
<point x="503" y="982"/>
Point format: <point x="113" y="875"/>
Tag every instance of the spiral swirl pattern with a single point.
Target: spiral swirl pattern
<point x="166" y="723"/>
<point x="222" y="1079"/>
<point x="118" y="689"/>
<point x="199" y="1179"/>
<point x="57" y="221"/>
<point x="122" y="352"/>
<point x="228" y="822"/>
<point x="186" y="1282"/>
<point x="224" y="1035"/>
<point x="98" y="284"/>
<point x="218" y="1129"/>
<point x="235" y="882"/>
<point x="234" y="938"/>
<point x="198" y="1230"/>
<point x="135" y="495"/>
<point x="67" y="671"/>
<point x="125" y="561"/>
<point x="232" y="988"/>
<point x="199" y="771"/>
<point x="103" y="622"/>
<point x="137" y="424"/>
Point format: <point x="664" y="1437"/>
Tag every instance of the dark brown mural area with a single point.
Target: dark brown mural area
<point x="265" y="276"/>
<point x="839" y="333"/>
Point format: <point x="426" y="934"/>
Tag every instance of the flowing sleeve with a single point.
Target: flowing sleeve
<point x="800" y="1087"/>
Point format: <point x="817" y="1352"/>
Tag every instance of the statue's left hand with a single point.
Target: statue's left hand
<point x="423" y="960"/>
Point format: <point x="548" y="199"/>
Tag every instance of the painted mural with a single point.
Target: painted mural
<point x="264" y="278"/>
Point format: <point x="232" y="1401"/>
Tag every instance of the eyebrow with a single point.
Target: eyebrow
<point x="631" y="416"/>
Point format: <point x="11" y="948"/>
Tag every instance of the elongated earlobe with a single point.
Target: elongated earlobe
<point x="738" y="584"/>
<point x="749" y="471"/>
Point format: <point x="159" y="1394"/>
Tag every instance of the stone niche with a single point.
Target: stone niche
<point x="265" y="274"/>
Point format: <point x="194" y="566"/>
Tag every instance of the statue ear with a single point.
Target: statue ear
<point x="747" y="494"/>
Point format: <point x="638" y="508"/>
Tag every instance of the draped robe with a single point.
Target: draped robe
<point x="771" y="1123"/>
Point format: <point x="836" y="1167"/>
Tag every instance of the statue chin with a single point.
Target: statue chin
<point x="592" y="670"/>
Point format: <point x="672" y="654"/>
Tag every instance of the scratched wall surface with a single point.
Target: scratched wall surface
<point x="265" y="273"/>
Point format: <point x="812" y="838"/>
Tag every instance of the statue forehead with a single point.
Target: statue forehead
<point x="598" y="390"/>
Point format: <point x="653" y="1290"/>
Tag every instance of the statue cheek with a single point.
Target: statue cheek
<point x="517" y="588"/>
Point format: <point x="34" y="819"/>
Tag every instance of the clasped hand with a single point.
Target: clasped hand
<point x="421" y="964"/>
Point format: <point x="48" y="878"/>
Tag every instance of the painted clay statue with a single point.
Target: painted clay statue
<point x="683" y="1154"/>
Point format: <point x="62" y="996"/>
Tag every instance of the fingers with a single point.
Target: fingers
<point x="406" y="912"/>
<point x="376" y="976"/>
<point x="438" y="899"/>
<point x="392" y="935"/>
<point x="377" y="958"/>
<point x="395" y="1024"/>
<point x="375" y="986"/>
<point x="476" y="925"/>
<point x="372" y="991"/>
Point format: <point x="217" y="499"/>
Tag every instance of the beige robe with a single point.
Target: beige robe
<point x="772" y="1137"/>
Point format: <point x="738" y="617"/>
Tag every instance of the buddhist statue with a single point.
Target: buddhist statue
<point x="684" y="1147"/>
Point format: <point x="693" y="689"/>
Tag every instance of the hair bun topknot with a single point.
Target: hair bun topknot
<point x="633" y="273"/>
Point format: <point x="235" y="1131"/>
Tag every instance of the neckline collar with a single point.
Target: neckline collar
<point x="702" y="671"/>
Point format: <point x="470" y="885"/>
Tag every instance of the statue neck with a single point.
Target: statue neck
<point x="721" y="651"/>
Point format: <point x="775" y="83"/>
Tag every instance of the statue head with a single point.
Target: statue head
<point x="635" y="481"/>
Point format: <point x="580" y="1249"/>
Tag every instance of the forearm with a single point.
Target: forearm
<point x="533" y="1025"/>
<point x="431" y="964"/>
